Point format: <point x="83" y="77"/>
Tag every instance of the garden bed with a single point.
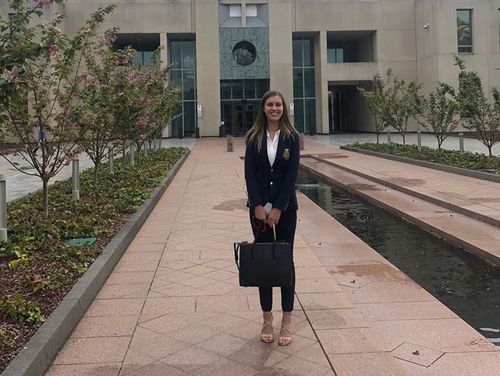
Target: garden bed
<point x="38" y="266"/>
<point x="466" y="160"/>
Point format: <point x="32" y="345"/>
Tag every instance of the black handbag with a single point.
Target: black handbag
<point x="264" y="264"/>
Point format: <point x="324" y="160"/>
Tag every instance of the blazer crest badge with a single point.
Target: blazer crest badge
<point x="286" y="154"/>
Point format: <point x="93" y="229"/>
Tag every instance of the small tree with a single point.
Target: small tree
<point x="440" y="112"/>
<point x="45" y="94"/>
<point x="375" y="99"/>
<point x="478" y="113"/>
<point x="17" y="45"/>
<point x="402" y="103"/>
<point x="163" y="98"/>
<point x="100" y="89"/>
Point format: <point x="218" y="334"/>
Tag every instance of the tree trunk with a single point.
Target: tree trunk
<point x="404" y="138"/>
<point x="96" y="167"/>
<point x="45" y="197"/>
<point x="489" y="150"/>
<point x="378" y="136"/>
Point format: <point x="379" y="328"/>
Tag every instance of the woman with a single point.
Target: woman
<point x="271" y="167"/>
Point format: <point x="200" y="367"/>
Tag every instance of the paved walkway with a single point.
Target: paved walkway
<point x="173" y="306"/>
<point x="20" y="184"/>
<point x="451" y="142"/>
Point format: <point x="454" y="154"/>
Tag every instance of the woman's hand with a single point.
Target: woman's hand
<point x="274" y="217"/>
<point x="260" y="213"/>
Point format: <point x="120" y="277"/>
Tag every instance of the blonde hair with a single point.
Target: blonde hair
<point x="255" y="134"/>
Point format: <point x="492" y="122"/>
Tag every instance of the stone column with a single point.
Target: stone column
<point x="280" y="48"/>
<point x="207" y="66"/>
<point x="320" y="65"/>
<point x="164" y="62"/>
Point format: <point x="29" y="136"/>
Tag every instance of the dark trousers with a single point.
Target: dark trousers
<point x="285" y="230"/>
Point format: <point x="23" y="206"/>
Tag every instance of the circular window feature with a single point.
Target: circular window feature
<point x="244" y="53"/>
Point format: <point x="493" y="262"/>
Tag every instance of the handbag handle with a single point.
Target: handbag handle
<point x="236" y="250"/>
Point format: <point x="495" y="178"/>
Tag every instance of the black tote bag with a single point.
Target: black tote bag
<point x="264" y="264"/>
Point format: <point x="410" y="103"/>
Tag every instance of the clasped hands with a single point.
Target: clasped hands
<point x="270" y="219"/>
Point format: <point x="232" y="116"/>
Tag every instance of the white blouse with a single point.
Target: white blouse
<point x="272" y="146"/>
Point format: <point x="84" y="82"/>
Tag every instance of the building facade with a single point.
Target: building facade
<point x="226" y="53"/>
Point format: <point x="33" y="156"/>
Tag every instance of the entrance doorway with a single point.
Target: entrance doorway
<point x="238" y="116"/>
<point x="347" y="109"/>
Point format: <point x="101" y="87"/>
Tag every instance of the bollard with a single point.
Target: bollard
<point x="388" y="136"/>
<point x="3" y="209"/>
<point x="76" y="179"/>
<point x="419" y="140"/>
<point x="111" y="160"/>
<point x="132" y="156"/>
<point x="461" y="141"/>
<point x="301" y="141"/>
<point x="229" y="143"/>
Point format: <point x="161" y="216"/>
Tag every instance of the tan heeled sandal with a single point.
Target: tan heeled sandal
<point x="286" y="324"/>
<point x="267" y="338"/>
<point x="285" y="340"/>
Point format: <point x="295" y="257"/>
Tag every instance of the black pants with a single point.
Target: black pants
<point x="285" y="230"/>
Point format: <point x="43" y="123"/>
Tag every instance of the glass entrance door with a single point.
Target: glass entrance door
<point x="238" y="117"/>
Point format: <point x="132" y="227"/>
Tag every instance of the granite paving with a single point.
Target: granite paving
<point x="173" y="305"/>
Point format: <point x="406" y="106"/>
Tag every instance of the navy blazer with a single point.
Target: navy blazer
<point x="274" y="184"/>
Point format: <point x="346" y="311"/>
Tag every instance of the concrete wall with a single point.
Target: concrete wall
<point x="400" y="41"/>
<point x="280" y="48"/>
<point x="207" y="66"/>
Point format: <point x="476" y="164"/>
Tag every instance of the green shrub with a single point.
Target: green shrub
<point x="24" y="311"/>
<point x="468" y="160"/>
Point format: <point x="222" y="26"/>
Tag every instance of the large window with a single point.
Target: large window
<point x="183" y="74"/>
<point x="464" y="31"/>
<point x="243" y="89"/>
<point x="144" y="45"/>
<point x="304" y="98"/>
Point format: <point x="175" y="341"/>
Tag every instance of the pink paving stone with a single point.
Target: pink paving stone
<point x="350" y="280"/>
<point x="299" y="366"/>
<point x="314" y="354"/>
<point x="417" y="354"/>
<point x="381" y="272"/>
<point x="317" y="285"/>
<point x="448" y="335"/>
<point x="226" y="367"/>
<point x="104" y="326"/>
<point x="115" y="307"/>
<point x="367" y="364"/>
<point x="324" y="300"/>
<point x="164" y="324"/>
<point x="223" y="344"/>
<point x="378" y="292"/>
<point x="152" y="369"/>
<point x="93" y="350"/>
<point x="102" y="369"/>
<point x="123" y="291"/>
<point x="130" y="278"/>
<point x="458" y="364"/>
<point x="405" y="311"/>
<point x="154" y="345"/>
<point x="162" y="306"/>
<point x="141" y="257"/>
<point x="224" y="303"/>
<point x="194" y="333"/>
<point x="140" y="247"/>
<point x="136" y="266"/>
<point x="347" y="341"/>
<point x="191" y="359"/>
<point x="258" y="355"/>
<point x="337" y="319"/>
<point x="311" y="272"/>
